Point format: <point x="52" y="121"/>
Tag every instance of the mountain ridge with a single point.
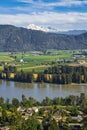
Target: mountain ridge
<point x="53" y="30"/>
<point x="21" y="39"/>
<point x="73" y="32"/>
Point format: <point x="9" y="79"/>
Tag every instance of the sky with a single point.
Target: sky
<point x="62" y="15"/>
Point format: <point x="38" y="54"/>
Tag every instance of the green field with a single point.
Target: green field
<point x="36" y="61"/>
<point x="4" y="57"/>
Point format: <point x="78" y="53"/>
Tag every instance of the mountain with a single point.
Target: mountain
<point x="53" y="30"/>
<point x="40" y="28"/>
<point x="21" y="39"/>
<point x="73" y="32"/>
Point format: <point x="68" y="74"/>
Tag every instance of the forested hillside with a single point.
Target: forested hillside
<point x="20" y="39"/>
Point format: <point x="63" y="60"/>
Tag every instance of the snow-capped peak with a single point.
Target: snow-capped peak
<point x="36" y="27"/>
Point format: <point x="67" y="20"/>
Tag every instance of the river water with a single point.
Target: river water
<point x="10" y="89"/>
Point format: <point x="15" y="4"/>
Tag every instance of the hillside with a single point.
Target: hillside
<point x="20" y="39"/>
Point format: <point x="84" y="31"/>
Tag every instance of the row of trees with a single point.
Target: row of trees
<point x="62" y="78"/>
<point x="59" y="75"/>
<point x="9" y="69"/>
<point x="30" y="102"/>
<point x="65" y="69"/>
<point x="23" y="77"/>
<point x="68" y="74"/>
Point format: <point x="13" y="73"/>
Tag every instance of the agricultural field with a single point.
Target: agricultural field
<point x="4" y="57"/>
<point x="37" y="61"/>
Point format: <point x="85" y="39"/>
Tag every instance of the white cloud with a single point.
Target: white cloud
<point x="26" y="1"/>
<point x="62" y="21"/>
<point x="57" y="3"/>
<point x="72" y="2"/>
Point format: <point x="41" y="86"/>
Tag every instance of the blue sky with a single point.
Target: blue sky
<point x="60" y="14"/>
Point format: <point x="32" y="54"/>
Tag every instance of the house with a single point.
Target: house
<point x="35" y="109"/>
<point x="47" y="110"/>
<point x="57" y="118"/>
<point x="20" y="109"/>
<point x="75" y="126"/>
<point x="21" y="60"/>
<point x="58" y="112"/>
<point x="27" y="112"/>
<point x="4" y="128"/>
<point x="78" y="118"/>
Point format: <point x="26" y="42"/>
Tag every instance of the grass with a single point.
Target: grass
<point x="34" y="61"/>
<point x="36" y="69"/>
<point x="39" y="61"/>
<point x="5" y="58"/>
<point x="1" y="67"/>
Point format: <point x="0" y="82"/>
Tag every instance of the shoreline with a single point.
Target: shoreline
<point x="85" y="84"/>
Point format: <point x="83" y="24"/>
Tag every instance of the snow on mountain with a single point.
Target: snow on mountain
<point x="44" y="29"/>
<point x="53" y="30"/>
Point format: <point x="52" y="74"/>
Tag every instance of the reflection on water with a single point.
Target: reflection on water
<point x="1" y="82"/>
<point x="8" y="84"/>
<point x="23" y="85"/>
<point x="41" y="85"/>
<point x="9" y="89"/>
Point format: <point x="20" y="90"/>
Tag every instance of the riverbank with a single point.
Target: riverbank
<point x="35" y="78"/>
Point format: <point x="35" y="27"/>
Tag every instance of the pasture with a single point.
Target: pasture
<point x="35" y="61"/>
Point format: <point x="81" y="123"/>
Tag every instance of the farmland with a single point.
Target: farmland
<point x="37" y="61"/>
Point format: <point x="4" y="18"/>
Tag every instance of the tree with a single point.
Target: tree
<point x="8" y="75"/>
<point x="31" y="102"/>
<point x="1" y="101"/>
<point x="53" y="125"/>
<point x="29" y="78"/>
<point x="31" y="124"/>
<point x="68" y="79"/>
<point x="41" y="112"/>
<point x="47" y="101"/>
<point x="3" y="117"/>
<point x="45" y="123"/>
<point x="40" y="78"/>
<point x="74" y="111"/>
<point x="15" y="102"/>
<point x="63" y="79"/>
<point x="84" y="123"/>
<point x="24" y="101"/>
<point x="65" y="126"/>
<point x="56" y="101"/>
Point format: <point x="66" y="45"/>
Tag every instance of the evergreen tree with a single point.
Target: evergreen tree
<point x="53" y="125"/>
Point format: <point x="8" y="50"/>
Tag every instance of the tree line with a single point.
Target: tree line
<point x="31" y="102"/>
<point x="68" y="74"/>
<point x="58" y="74"/>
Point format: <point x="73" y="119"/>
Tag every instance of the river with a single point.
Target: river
<point x="10" y="89"/>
